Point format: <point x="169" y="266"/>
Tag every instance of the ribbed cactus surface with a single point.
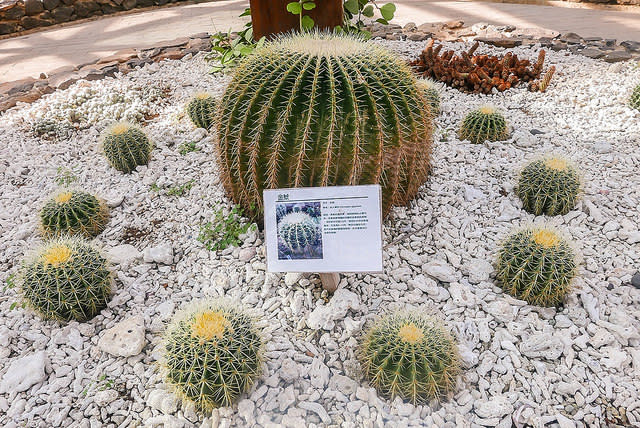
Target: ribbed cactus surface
<point x="548" y="186"/>
<point x="126" y="146"/>
<point x="298" y="230"/>
<point x="431" y="93"/>
<point x="201" y="109"/>
<point x="212" y="353"/>
<point x="484" y="124"/>
<point x="410" y="355"/>
<point x="74" y="212"/>
<point x="321" y="110"/>
<point x="66" y="279"/>
<point x="537" y="265"/>
<point x="635" y="98"/>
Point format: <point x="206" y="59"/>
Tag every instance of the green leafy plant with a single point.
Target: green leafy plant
<point x="73" y="212"/>
<point x="335" y="110"/>
<point x="537" y="265"/>
<point x="411" y="356"/>
<point x="484" y="124"/>
<point x="126" y="146"/>
<point x="65" y="176"/>
<point x="188" y="147"/>
<point x="66" y="279"/>
<point x="356" y="10"/>
<point x="635" y="98"/>
<point x="225" y="229"/>
<point x="200" y="110"/>
<point x="213" y="353"/>
<point x="227" y="50"/>
<point x="296" y="8"/>
<point x="181" y="189"/>
<point x="548" y="186"/>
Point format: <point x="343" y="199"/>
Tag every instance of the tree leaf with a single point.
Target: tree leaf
<point x="382" y="21"/>
<point x="247" y="12"/>
<point x="387" y="11"/>
<point x="307" y="22"/>
<point x="352" y="6"/>
<point x="309" y="5"/>
<point x="294" y="7"/>
<point x="368" y="11"/>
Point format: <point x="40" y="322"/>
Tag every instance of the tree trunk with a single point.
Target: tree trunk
<point x="270" y="17"/>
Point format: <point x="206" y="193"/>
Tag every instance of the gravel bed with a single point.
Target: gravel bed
<point x="577" y="365"/>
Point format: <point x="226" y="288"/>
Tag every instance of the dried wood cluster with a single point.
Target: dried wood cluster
<point x="478" y="73"/>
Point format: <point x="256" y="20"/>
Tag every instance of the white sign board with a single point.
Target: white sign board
<point x="324" y="229"/>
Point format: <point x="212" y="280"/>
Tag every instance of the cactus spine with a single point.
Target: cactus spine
<point x="212" y="353"/>
<point x="298" y="230"/>
<point x="411" y="356"/>
<point x="635" y="98"/>
<point x="74" y="212"/>
<point x="431" y="94"/>
<point x="66" y="279"/>
<point x="201" y="109"/>
<point x="321" y="110"/>
<point x="537" y="265"/>
<point x="548" y="186"/>
<point x="484" y="124"/>
<point x="126" y="146"/>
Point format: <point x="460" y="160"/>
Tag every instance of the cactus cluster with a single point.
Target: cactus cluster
<point x="201" y="110"/>
<point x="537" y="265"/>
<point x="320" y="109"/>
<point x="431" y="93"/>
<point x="66" y="279"/>
<point x="298" y="230"/>
<point x="411" y="356"/>
<point x="548" y="186"/>
<point x="484" y="124"/>
<point x="126" y="146"/>
<point x="212" y="353"/>
<point x="635" y="98"/>
<point x="73" y="212"/>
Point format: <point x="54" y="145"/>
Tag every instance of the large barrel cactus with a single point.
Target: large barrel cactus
<point x="321" y="110"/>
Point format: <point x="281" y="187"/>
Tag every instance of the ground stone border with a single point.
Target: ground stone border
<point x="30" y="89"/>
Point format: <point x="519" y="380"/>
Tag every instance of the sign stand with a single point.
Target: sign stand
<point x="330" y="281"/>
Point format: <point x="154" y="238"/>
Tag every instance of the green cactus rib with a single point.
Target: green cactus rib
<point x="635" y="98"/>
<point x="126" y="146"/>
<point x="411" y="356"/>
<point x="201" y="109"/>
<point x="298" y="230"/>
<point x="484" y="124"/>
<point x="322" y="110"/>
<point x="548" y="186"/>
<point x="537" y="265"/>
<point x="213" y="353"/>
<point x="431" y="94"/>
<point x="73" y="212"/>
<point x="67" y="279"/>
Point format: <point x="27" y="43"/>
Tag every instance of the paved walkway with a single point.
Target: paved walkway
<point x="44" y="51"/>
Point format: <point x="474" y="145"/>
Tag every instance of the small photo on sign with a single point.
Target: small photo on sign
<point x="299" y="230"/>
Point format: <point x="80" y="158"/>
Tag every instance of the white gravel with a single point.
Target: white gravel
<point x="575" y="366"/>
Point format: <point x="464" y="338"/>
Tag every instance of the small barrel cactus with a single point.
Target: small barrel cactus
<point x="431" y="94"/>
<point x="73" y="212"/>
<point x="548" y="186"/>
<point x="126" y="146"/>
<point x="537" y="265"/>
<point x="484" y="124"/>
<point x="320" y="109"/>
<point x="66" y="279"/>
<point x="411" y="356"/>
<point x="212" y="353"/>
<point x="298" y="230"/>
<point x="635" y="98"/>
<point x="201" y="109"/>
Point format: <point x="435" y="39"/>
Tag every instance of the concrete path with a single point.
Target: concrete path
<point x="44" y="51"/>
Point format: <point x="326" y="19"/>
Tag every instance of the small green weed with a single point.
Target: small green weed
<point x="154" y="187"/>
<point x="188" y="147"/>
<point x="181" y="189"/>
<point x="225" y="229"/>
<point x="65" y="176"/>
